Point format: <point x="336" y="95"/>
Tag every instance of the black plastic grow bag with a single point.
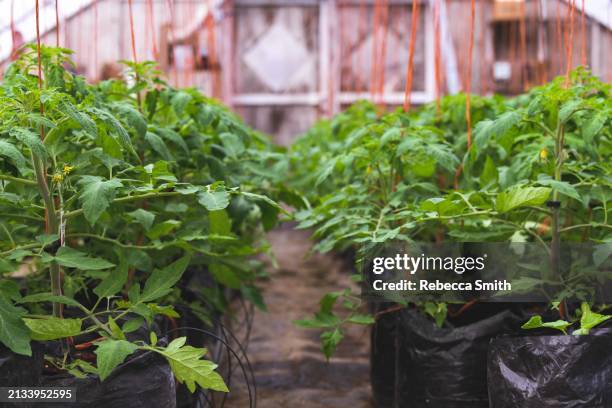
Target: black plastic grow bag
<point x="432" y="366"/>
<point x="144" y="381"/>
<point x="551" y="371"/>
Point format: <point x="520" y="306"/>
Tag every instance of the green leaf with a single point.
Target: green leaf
<point x="49" y="297"/>
<point x="330" y="341"/>
<point x="158" y="145"/>
<point x="225" y="276"/>
<point x="30" y="139"/>
<point x="72" y="258"/>
<point x="163" y="228"/>
<point x="521" y="196"/>
<point x="590" y="319"/>
<point x="189" y="368"/>
<point x="219" y="222"/>
<point x="535" y="322"/>
<point x="362" y="319"/>
<point x="9" y="289"/>
<point x="594" y="125"/>
<point x="96" y="196"/>
<point x="485" y="129"/>
<point x="80" y="117"/>
<point x="132" y="117"/>
<point x="489" y="174"/>
<point x="113" y="282"/>
<point x="161" y="281"/>
<point x="53" y="328"/>
<point x="562" y="187"/>
<point x="110" y="353"/>
<point x="132" y="324"/>
<point x="261" y="197"/>
<point x="115" y="329"/>
<point x="568" y="109"/>
<point x="14" y="334"/>
<point x="214" y="200"/>
<point x="143" y="217"/>
<point x="10" y="151"/>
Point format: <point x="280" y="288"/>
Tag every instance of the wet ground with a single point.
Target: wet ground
<point x="289" y="367"/>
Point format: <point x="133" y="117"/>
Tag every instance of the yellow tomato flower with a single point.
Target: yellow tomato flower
<point x="67" y="169"/>
<point x="57" y="178"/>
<point x="543" y="154"/>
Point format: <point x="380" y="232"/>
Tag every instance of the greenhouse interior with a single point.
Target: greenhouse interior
<point x="306" y="203"/>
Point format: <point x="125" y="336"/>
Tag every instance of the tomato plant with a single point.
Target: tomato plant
<point x="108" y="194"/>
<point x="538" y="171"/>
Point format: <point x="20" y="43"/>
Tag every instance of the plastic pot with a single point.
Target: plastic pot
<point x="435" y="367"/>
<point x="551" y="371"/>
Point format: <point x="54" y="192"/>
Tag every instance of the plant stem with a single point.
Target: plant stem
<point x="127" y="199"/>
<point x="18" y="180"/>
<point x="51" y="227"/>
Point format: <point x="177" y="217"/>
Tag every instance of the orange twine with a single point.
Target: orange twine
<point x="57" y="24"/>
<point x="437" y="53"/>
<point x="132" y="36"/>
<point x="409" y="71"/>
<point x="570" y="41"/>
<point x="468" y="76"/>
<point x="583" y="29"/>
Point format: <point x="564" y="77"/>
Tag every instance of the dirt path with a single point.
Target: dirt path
<point x="290" y="369"/>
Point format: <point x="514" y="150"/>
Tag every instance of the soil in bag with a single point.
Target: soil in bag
<point x="419" y="364"/>
<point x="144" y="381"/>
<point x="551" y="371"/>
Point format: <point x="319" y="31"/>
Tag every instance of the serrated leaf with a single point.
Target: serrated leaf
<point x="31" y="140"/>
<point x="110" y="353"/>
<point x="14" y="334"/>
<point x="330" y="341"/>
<point x="96" y="196"/>
<point x="189" y="368"/>
<point x="53" y="328"/>
<point x="72" y="258"/>
<point x="161" y="281"/>
<point x="521" y="196"/>
<point x="134" y="119"/>
<point x="143" y="217"/>
<point x="568" y="109"/>
<point x="80" y="117"/>
<point x="562" y="187"/>
<point x="535" y="322"/>
<point x="486" y="129"/>
<point x="590" y="319"/>
<point x="11" y="152"/>
<point x="362" y="319"/>
<point x="49" y="297"/>
<point x="158" y="145"/>
<point x="113" y="282"/>
<point x="214" y="200"/>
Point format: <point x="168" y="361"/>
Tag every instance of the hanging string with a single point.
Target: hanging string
<point x="13" y="33"/>
<point x="212" y="51"/>
<point x="95" y="39"/>
<point x="468" y="76"/>
<point x="57" y="24"/>
<point x="133" y="38"/>
<point x="523" y="35"/>
<point x="583" y="60"/>
<point x="360" y="75"/>
<point x="570" y="41"/>
<point x="151" y="17"/>
<point x="437" y="53"/>
<point x="484" y="83"/>
<point x="173" y="71"/>
<point x="410" y="68"/>
<point x="383" y="51"/>
<point x="40" y="84"/>
<point x="374" y="64"/>
<point x="559" y="36"/>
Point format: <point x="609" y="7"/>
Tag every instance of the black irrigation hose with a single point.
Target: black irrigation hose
<point x="246" y="358"/>
<point x="252" y="403"/>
